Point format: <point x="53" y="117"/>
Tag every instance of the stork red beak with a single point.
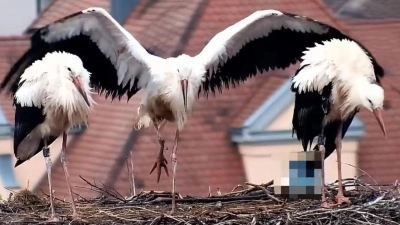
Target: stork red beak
<point x="378" y="115"/>
<point x="184" y="85"/>
<point x="78" y="84"/>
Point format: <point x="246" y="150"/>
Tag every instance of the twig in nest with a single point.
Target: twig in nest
<point x="156" y="220"/>
<point x="48" y="196"/>
<point x="166" y="215"/>
<point x="102" y="190"/>
<point x="364" y="173"/>
<point x="120" y="218"/>
<point x="112" y="189"/>
<point x="219" y="192"/>
<point x="129" y="177"/>
<point x="236" y="187"/>
<point x="132" y="175"/>
<point x="209" y="200"/>
<point x="265" y="190"/>
<point x="81" y="197"/>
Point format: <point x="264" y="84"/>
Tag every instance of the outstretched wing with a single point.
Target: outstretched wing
<point x="263" y="41"/>
<point x="118" y="63"/>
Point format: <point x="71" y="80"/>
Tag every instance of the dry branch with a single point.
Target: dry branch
<point x="254" y="205"/>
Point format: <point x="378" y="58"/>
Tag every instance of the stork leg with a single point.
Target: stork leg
<point x="340" y="197"/>
<point x="161" y="162"/>
<point x="46" y="154"/>
<point x="321" y="147"/>
<point x="174" y="161"/>
<point x="65" y="168"/>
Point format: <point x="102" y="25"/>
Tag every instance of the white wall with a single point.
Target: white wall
<point x="16" y="16"/>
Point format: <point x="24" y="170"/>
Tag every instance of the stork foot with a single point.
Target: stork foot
<point x="160" y="163"/>
<point x="341" y="199"/>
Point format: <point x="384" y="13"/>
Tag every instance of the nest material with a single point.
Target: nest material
<point x="255" y="205"/>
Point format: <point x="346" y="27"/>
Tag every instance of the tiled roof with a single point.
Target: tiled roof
<point x="11" y="48"/>
<point x="60" y="8"/>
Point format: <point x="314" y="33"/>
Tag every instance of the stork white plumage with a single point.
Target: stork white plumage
<point x="334" y="80"/>
<point x="52" y="96"/>
<point x="265" y="40"/>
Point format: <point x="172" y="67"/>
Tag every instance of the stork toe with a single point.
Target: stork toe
<point x="341" y="199"/>
<point x="160" y="163"/>
<point x="328" y="205"/>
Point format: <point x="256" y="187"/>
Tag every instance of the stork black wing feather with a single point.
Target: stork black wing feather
<point x="80" y="45"/>
<point x="308" y="113"/>
<point x="278" y="50"/>
<point x="26" y="120"/>
<point x="330" y="132"/>
<point x="104" y="76"/>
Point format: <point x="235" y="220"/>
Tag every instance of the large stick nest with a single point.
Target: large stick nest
<point x="371" y="204"/>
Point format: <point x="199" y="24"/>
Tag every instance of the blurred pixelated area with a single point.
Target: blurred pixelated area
<point x="300" y="176"/>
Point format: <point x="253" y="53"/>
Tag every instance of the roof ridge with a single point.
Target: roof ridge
<point x="14" y="38"/>
<point x="38" y="17"/>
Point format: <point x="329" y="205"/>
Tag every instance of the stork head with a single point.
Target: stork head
<point x="184" y="69"/>
<point x="74" y="71"/>
<point x="372" y="99"/>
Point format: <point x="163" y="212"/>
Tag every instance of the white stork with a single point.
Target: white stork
<point x="334" y="80"/>
<point x="53" y="95"/>
<point x="265" y="40"/>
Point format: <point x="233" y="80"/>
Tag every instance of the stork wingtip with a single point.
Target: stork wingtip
<point x="19" y="162"/>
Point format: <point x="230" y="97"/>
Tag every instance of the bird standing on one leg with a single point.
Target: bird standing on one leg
<point x="264" y="40"/>
<point x="52" y="96"/>
<point x="334" y="80"/>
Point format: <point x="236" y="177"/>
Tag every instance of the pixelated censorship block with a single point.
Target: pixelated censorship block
<point x="299" y="176"/>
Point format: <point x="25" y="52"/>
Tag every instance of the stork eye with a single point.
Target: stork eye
<point x="178" y="70"/>
<point x="69" y="69"/>
<point x="370" y="102"/>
